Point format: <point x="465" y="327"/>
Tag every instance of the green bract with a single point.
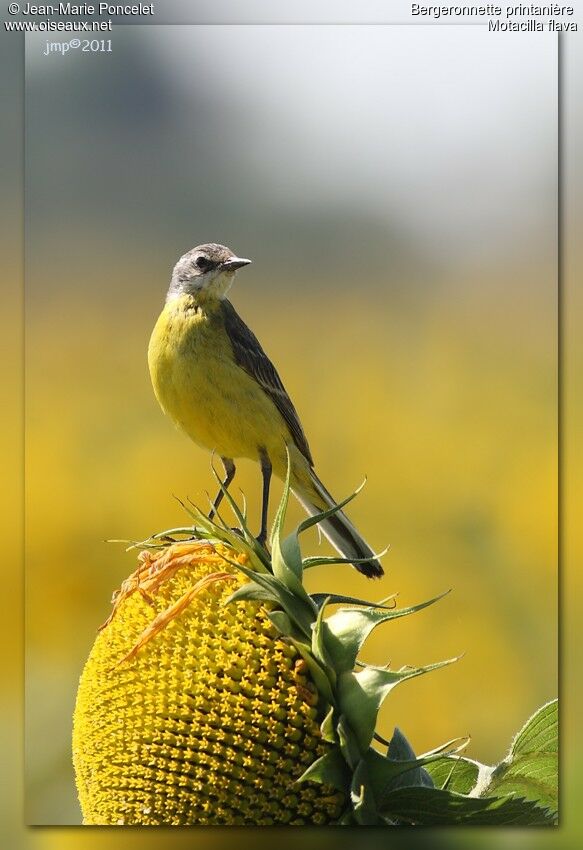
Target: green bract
<point x="383" y="784"/>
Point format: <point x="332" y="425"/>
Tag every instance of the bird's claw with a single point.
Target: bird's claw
<point x="262" y="540"/>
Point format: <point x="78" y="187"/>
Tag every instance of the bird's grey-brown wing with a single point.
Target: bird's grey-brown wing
<point x="251" y="357"/>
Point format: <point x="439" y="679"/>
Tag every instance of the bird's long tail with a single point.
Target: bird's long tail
<point x="337" y="528"/>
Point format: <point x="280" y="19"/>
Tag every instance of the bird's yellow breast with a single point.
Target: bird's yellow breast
<point x="200" y="386"/>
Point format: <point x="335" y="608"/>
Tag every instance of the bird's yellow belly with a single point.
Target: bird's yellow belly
<point x="202" y="389"/>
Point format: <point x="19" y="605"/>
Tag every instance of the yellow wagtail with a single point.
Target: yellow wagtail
<point x="213" y="379"/>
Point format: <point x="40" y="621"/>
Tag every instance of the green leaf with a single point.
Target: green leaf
<point x="388" y="773"/>
<point x="533" y="777"/>
<point x="362" y="798"/>
<point x="360" y="695"/>
<point x="455" y="773"/>
<point x="299" y="612"/>
<point x="252" y="590"/>
<point x="328" y="728"/>
<point x="286" y="567"/>
<point x="540" y="734"/>
<point x="400" y="749"/>
<point x="321" y="560"/>
<point x="316" y="518"/>
<point x="385" y="774"/>
<point x="334" y="598"/>
<point x="209" y="530"/>
<point x="233" y="505"/>
<point x="329" y="769"/>
<point x="348" y="628"/>
<point x="286" y="557"/>
<point x="531" y="768"/>
<point x="348" y="743"/>
<point x="434" y="807"/>
<point x="171" y="532"/>
<point x="282" y="507"/>
<point x="319" y="674"/>
<point x="287" y="563"/>
<point x="319" y="645"/>
<point x="282" y="623"/>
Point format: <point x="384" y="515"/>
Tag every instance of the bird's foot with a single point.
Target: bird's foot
<point x="262" y="539"/>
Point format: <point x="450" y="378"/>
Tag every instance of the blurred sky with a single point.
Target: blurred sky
<point x="417" y="143"/>
<point x="396" y="189"/>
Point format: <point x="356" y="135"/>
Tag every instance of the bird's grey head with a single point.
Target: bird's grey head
<point x="206" y="271"/>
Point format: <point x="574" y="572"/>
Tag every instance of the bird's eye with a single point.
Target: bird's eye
<point x="203" y="263"/>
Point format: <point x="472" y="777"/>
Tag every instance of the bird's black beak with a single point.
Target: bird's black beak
<point x="235" y="263"/>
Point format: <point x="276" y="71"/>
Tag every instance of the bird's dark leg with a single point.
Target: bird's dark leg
<point x="266" y="472"/>
<point x="229" y="475"/>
